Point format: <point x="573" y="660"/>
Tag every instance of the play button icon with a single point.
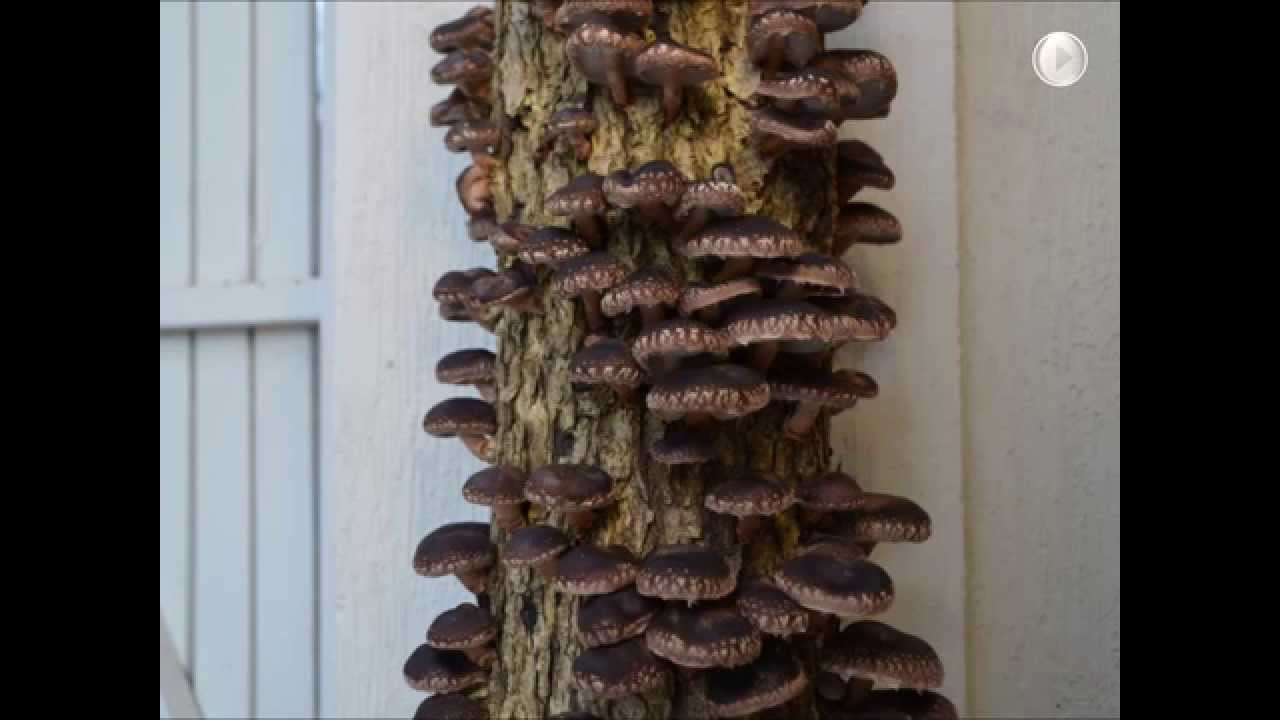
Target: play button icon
<point x="1060" y="59"/>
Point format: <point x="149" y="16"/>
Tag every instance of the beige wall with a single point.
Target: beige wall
<point x="1039" y="172"/>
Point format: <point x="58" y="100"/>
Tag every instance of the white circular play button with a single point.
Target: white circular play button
<point x="1060" y="59"/>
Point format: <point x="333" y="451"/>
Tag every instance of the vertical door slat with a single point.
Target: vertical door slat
<point x="175" y="485"/>
<point x="175" y="144"/>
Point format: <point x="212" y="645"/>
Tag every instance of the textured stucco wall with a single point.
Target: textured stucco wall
<point x="1040" y="327"/>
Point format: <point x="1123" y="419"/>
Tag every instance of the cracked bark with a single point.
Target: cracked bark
<point x="543" y="420"/>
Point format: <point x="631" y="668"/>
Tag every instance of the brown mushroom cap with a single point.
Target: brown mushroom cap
<point x="798" y="323"/>
<point x="567" y="486"/>
<point x="574" y="124"/>
<point x="466" y="367"/>
<point x="749" y="495"/>
<point x="612" y="618"/>
<point x="615" y="671"/>
<point x="476" y="135"/>
<point x="629" y="14"/>
<point x="650" y="286"/>
<point x="451" y="706"/>
<point x="606" y="362"/>
<point x="838" y="390"/>
<point x="581" y="195"/>
<point x="836" y="579"/>
<point x="858" y="165"/>
<point x="454" y="287"/>
<point x="780" y="34"/>
<point x="832" y="491"/>
<point x="776" y="131"/>
<point x="673" y="67"/>
<point x="888" y="657"/>
<point x="904" y="705"/>
<point x="461" y="416"/>
<point x="811" y="274"/>
<point x="530" y="546"/>
<point x="604" y="53"/>
<point x="772" y="611"/>
<point x="475" y="190"/>
<point x="830" y="15"/>
<point x="707" y="636"/>
<point x="750" y="236"/>
<point x="481" y="228"/>
<point x="465" y="626"/>
<point x="654" y="183"/>
<point x="454" y="548"/>
<point x="472" y="64"/>
<point x="685" y="572"/>
<point x="594" y="570"/>
<point x="509" y="237"/>
<point x="717" y="197"/>
<point x="594" y="272"/>
<point x="697" y="297"/>
<point x="774" y="679"/>
<point x="551" y="246"/>
<point x="809" y="89"/>
<point x="879" y="517"/>
<point x="875" y="76"/>
<point x="467" y="31"/>
<point x="860" y="317"/>
<point x="866" y="224"/>
<point x="495" y="486"/>
<point x="455" y="108"/>
<point x="683" y="447"/>
<point x="677" y="338"/>
<point x="721" y="391"/>
<point x="442" y="671"/>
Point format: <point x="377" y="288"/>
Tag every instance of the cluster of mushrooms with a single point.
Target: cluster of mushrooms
<point x="762" y="328"/>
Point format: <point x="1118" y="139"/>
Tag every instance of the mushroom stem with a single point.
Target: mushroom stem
<point x="651" y="315"/>
<point x="479" y="445"/>
<point x="697" y="220"/>
<point x="762" y="355"/>
<point x="659" y="214"/>
<point x="809" y="516"/>
<point x="749" y="527"/>
<point x="616" y="74"/>
<point x="867" y="547"/>
<point x="588" y="228"/>
<point x="508" y="517"/>
<point x="734" y="267"/>
<point x="591" y="303"/>
<point x="841" y="243"/>
<point x="801" y="420"/>
<point x="531" y="303"/>
<point x="624" y="392"/>
<point x="773" y="60"/>
<point x="488" y="391"/>
<point x="484" y="656"/>
<point x="698" y="419"/>
<point x="830" y="686"/>
<point x="475" y="581"/>
<point x="579" y="519"/>
<point x="856" y="691"/>
<point x="708" y="315"/>
<point x="822" y="626"/>
<point x="483" y="159"/>
<point x="672" y="97"/>
<point x="581" y="146"/>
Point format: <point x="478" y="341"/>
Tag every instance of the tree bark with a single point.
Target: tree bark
<point x="543" y="420"/>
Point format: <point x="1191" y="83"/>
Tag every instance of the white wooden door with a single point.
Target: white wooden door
<point x="240" y="305"/>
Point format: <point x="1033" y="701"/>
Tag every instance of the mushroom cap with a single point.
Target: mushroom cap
<point x="442" y="671"/>
<point x="838" y="390"/>
<point x="748" y="495"/>
<point x="462" y="65"/>
<point x="719" y="197"/>
<point x="724" y="391"/>
<point x="816" y="89"/>
<point x="505" y="288"/>
<point x="597" y="271"/>
<point x="481" y="228"/>
<point x="612" y="618"/>
<point x="614" y="671"/>
<point x="685" y="572"/>
<point x="860" y="317"/>
<point x="879" y="517"/>
<point x="551" y="246"/>
<point x="605" y="362"/>
<point x="451" y="706"/>
<point x="868" y="224"/>
<point x="649" y="286"/>
<point x="905" y="704"/>
<point x="830" y="491"/>
<point x="790" y="321"/>
<point x="799" y="129"/>
<point x="782" y="26"/>
<point x="830" y="15"/>
<point x="466" y="367"/>
<point x="630" y="14"/>
<point x="670" y="62"/>
<point x="571" y="120"/>
<point x="889" y="657"/>
<point x="706" y="636"/>
<point x="835" y="579"/>
<point x="657" y="182"/>
<point x="568" y="486"/>
<point x="456" y="312"/>
<point x="700" y="296"/>
<point x="454" y="287"/>
<point x="475" y="190"/>
<point x="749" y="236"/>
<point x="461" y="416"/>
<point x="678" y="337"/>
<point x="473" y="135"/>
<point x="871" y="72"/>
<point x="510" y="236"/>
<point x="533" y="545"/>
<point x="858" y="165"/>
<point x="683" y="447"/>
<point x="816" y="273"/>
<point x="774" y="679"/>
<point x="583" y="195"/>
<point x="454" y="108"/>
<point x="772" y="611"/>
<point x="596" y="42"/>
<point x="465" y="626"/>
<point x="495" y="485"/>
<point x="467" y="31"/>
<point x="595" y="570"/>
<point x="454" y="548"/>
